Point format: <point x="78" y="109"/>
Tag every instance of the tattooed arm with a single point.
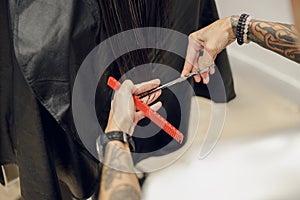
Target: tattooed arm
<point x="118" y="180"/>
<point x="280" y="38"/>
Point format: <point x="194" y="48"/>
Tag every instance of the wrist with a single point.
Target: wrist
<point x="111" y="128"/>
<point x="119" y="136"/>
<point x="250" y="32"/>
<point x="114" y="125"/>
<point x="119" y="144"/>
<point x="234" y="22"/>
<point x="244" y="24"/>
<point x="117" y="139"/>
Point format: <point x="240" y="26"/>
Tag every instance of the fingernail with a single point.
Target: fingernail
<point x="204" y="74"/>
<point x="206" y="79"/>
<point x="212" y="70"/>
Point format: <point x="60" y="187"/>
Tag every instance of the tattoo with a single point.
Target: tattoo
<point x="125" y="191"/>
<point x="110" y="175"/>
<point x="234" y="22"/>
<point x="118" y="162"/>
<point x="280" y="38"/>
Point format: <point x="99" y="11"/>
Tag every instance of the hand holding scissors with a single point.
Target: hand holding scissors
<point x="197" y="58"/>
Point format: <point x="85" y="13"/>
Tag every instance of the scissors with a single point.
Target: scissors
<point x="178" y="80"/>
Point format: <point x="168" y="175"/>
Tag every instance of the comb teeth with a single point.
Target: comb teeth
<point x="173" y="132"/>
<point x="166" y="126"/>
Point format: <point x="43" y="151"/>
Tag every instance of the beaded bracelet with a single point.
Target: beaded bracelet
<point x="246" y="30"/>
<point x="240" y="30"/>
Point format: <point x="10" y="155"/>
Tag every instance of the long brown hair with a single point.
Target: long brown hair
<point x="122" y="15"/>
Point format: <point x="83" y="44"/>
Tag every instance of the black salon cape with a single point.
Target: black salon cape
<point x="42" y="45"/>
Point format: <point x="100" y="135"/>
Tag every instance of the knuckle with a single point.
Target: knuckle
<point x="128" y="85"/>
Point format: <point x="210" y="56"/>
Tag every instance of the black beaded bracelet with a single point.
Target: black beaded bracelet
<point x="241" y="28"/>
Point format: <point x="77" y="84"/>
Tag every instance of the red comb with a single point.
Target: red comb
<point x="149" y="113"/>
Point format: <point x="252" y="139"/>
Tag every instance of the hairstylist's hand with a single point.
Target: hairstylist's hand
<point x="123" y="115"/>
<point x="213" y="39"/>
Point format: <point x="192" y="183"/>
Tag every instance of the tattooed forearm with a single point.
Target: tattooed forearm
<point x="117" y="161"/>
<point x="280" y="38"/>
<point x="125" y="191"/>
<point x="118" y="181"/>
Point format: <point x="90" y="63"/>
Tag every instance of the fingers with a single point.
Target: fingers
<point x="139" y="115"/>
<point x="205" y="77"/>
<point x="128" y="85"/>
<point x="192" y="54"/>
<point x="156" y="106"/>
<point x="145" y="86"/>
<point x="124" y="94"/>
<point x="128" y="88"/>
<point x="197" y="77"/>
<point x="212" y="69"/>
<point x="122" y="111"/>
<point x="187" y="68"/>
<point x="200" y="54"/>
<point x="204" y="61"/>
<point x="197" y="58"/>
<point x="152" y="97"/>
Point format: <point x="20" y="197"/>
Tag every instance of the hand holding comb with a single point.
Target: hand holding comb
<point x="151" y="114"/>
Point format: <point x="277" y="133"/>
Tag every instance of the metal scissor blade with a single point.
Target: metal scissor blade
<point x="177" y="80"/>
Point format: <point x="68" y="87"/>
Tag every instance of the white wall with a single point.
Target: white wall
<point x="281" y="74"/>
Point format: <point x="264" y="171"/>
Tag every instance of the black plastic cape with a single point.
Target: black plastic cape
<point x="42" y="45"/>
